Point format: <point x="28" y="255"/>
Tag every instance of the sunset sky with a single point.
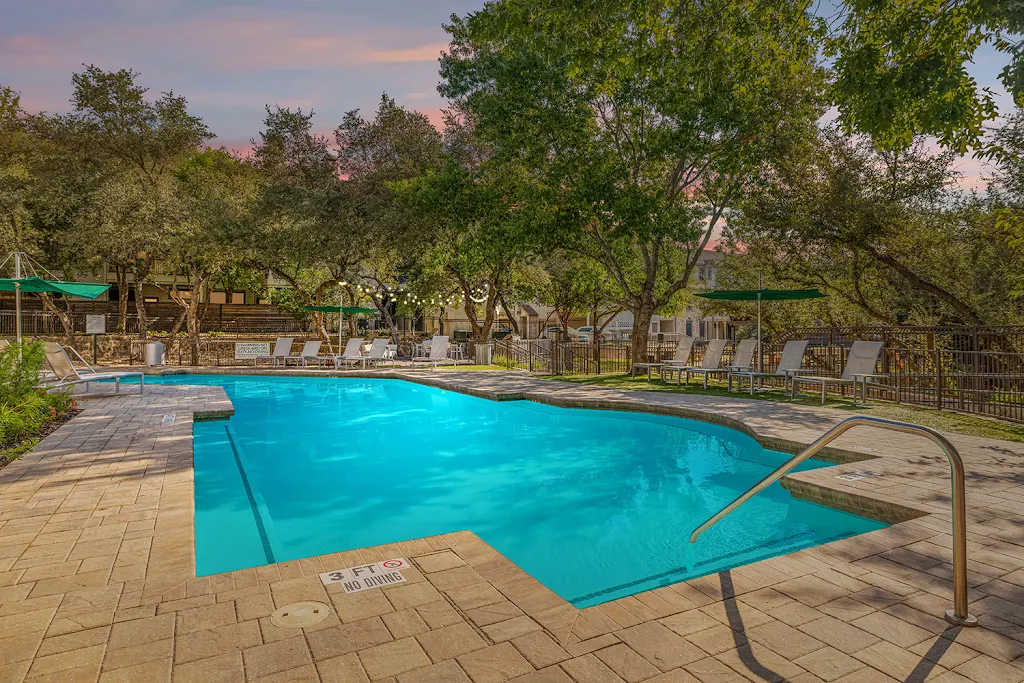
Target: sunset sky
<point x="230" y="58"/>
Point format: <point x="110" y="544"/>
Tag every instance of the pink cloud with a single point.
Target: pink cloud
<point x="426" y="53"/>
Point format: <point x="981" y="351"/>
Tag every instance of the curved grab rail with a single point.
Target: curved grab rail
<point x="959" y="614"/>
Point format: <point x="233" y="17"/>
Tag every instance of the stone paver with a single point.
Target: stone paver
<point x="97" y="571"/>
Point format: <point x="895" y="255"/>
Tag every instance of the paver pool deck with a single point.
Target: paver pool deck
<point x="97" y="572"/>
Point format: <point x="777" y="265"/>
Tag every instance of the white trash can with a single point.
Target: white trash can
<point x="155" y="353"/>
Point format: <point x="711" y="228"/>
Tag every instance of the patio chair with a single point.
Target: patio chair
<point x="712" y="364"/>
<point x="310" y="351"/>
<point x="66" y="374"/>
<point x="352" y="353"/>
<point x="860" y="367"/>
<point x="712" y="361"/>
<point x="789" y="364"/>
<point x="282" y="349"/>
<point x="438" y="353"/>
<point x="378" y="351"/>
<point x="681" y="356"/>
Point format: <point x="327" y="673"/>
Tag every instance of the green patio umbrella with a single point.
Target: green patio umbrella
<point x="760" y="295"/>
<point x="350" y="310"/>
<point x="19" y="283"/>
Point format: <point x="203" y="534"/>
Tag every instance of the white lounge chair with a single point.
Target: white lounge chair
<point x="378" y="351"/>
<point x="66" y="374"/>
<point x="860" y="367"/>
<point x="742" y="360"/>
<point x="352" y="353"/>
<point x="789" y="364"/>
<point x="680" y="357"/>
<point x="438" y="353"/>
<point x="282" y="349"/>
<point x="310" y="351"/>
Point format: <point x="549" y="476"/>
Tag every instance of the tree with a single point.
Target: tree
<point x="15" y="177"/>
<point x="376" y="157"/>
<point x="306" y="231"/>
<point x="883" y="231"/>
<point x="577" y="286"/>
<point x="641" y="123"/>
<point x="213" y="192"/>
<point x="901" y="68"/>
<point x="136" y="145"/>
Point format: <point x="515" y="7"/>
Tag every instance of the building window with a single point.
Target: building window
<point x="150" y="300"/>
<point x="218" y="297"/>
<point x="703" y="329"/>
<point x="237" y="297"/>
<point x="689" y="328"/>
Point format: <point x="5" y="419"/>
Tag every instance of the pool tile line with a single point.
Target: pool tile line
<point x="96" y="537"/>
<point x="255" y="507"/>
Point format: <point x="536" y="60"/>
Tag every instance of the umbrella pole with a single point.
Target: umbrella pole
<point x="341" y="317"/>
<point x="759" y="332"/>
<point x="759" y="357"/>
<point x="17" y="298"/>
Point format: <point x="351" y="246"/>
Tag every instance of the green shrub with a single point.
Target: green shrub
<point x="33" y="415"/>
<point x="19" y="372"/>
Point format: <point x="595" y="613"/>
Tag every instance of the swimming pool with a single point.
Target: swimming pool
<point x="594" y="504"/>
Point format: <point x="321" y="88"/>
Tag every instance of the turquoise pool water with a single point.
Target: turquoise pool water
<point x="594" y="504"/>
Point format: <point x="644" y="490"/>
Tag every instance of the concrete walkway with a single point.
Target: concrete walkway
<point x="98" y="578"/>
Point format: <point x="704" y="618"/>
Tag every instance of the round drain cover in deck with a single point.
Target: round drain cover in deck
<point x="300" y="614"/>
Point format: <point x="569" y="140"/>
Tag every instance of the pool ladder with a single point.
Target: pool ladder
<point x="959" y="614"/>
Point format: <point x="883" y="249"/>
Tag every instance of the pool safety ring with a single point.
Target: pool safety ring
<point x="300" y="615"/>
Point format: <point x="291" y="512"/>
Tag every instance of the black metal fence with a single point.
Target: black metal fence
<point x="981" y="382"/>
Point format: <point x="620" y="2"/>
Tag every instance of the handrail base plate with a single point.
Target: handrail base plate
<point x="969" y="620"/>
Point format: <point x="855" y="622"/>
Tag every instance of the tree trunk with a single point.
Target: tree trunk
<point x="175" y="329"/>
<point x="121" y="274"/>
<point x="641" y="330"/>
<point x="64" y="316"/>
<point x="140" y="310"/>
<point x="141" y="273"/>
<point x="381" y="306"/>
<point x="513" y="323"/>
<point x="193" y="326"/>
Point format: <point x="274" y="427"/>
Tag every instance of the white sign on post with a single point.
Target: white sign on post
<point x="367" y="576"/>
<point x="95" y="324"/>
<point x="251" y="349"/>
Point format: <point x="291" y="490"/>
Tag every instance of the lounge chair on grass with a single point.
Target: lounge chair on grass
<point x="789" y="364"/>
<point x="860" y="367"/>
<point x="66" y="374"/>
<point x="282" y="349"/>
<point x="352" y="354"/>
<point x="310" y="351"/>
<point x="438" y="353"/>
<point x="712" y="364"/>
<point x="680" y="357"/>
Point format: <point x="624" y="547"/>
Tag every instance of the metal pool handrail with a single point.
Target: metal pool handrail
<point x="959" y="614"/>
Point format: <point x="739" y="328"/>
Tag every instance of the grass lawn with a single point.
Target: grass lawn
<point x="944" y="420"/>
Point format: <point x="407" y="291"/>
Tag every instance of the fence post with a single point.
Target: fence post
<point x="597" y="345"/>
<point x="529" y="355"/>
<point x="938" y="378"/>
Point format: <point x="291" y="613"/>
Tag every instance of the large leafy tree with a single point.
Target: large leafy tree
<point x="641" y="123"/>
<point x="901" y="67"/>
<point x="884" y="232"/>
<point x="204" y="242"/>
<point x="473" y="211"/>
<point x="115" y="159"/>
<point x="376" y="156"/>
<point x="306" y="232"/>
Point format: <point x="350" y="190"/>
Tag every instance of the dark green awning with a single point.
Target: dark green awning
<point x="765" y="294"/>
<point x="87" y="290"/>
